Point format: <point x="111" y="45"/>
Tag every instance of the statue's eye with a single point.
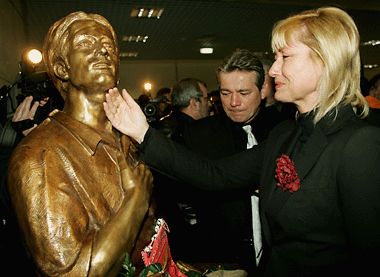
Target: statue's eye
<point x="85" y="43"/>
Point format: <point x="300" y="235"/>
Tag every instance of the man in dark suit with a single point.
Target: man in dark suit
<point x="189" y="104"/>
<point x="225" y="218"/>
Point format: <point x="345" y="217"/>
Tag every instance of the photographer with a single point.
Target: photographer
<point x="158" y="108"/>
<point x="23" y="120"/>
<point x="190" y="103"/>
<point x="23" y="117"/>
<point x="24" y="104"/>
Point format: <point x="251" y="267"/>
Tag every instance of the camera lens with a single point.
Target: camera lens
<point x="150" y="110"/>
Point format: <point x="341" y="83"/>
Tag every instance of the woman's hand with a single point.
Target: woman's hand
<point x="125" y="114"/>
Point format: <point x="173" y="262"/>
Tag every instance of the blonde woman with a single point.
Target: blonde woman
<point x="319" y="177"/>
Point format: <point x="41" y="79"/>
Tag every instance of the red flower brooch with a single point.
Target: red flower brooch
<point x="286" y="174"/>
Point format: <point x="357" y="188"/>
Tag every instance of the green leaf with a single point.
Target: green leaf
<point x="128" y="270"/>
<point x="151" y="269"/>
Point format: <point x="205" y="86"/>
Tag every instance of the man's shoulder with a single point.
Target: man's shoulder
<point x="209" y="124"/>
<point x="211" y="136"/>
<point x="171" y="125"/>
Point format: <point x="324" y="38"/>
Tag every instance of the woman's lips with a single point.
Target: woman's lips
<point x="278" y="85"/>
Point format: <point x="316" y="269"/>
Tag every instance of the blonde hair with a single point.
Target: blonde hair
<point x="55" y="45"/>
<point x="334" y="39"/>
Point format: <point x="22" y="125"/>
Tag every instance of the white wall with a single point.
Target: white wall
<point x="133" y="74"/>
<point x="12" y="40"/>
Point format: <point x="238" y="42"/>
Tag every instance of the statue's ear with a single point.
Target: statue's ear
<point x="61" y="70"/>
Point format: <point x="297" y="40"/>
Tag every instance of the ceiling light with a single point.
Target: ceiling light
<point x="128" y="54"/>
<point x="371" y="42"/>
<point x="150" y="13"/>
<point x="370" y="66"/>
<point x="137" y="38"/>
<point x="146" y="12"/>
<point x="206" y="50"/>
<point x="147" y="86"/>
<point x="34" y="56"/>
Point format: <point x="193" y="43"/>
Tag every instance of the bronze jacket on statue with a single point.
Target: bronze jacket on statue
<point x="65" y="184"/>
<point x="331" y="225"/>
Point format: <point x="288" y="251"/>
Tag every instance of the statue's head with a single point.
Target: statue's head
<point x="80" y="50"/>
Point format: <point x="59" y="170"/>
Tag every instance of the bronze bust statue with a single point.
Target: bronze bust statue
<point x="79" y="194"/>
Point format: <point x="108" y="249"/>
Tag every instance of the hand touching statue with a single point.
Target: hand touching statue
<point x="125" y="114"/>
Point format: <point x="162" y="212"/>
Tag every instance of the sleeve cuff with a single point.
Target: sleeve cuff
<point x="147" y="138"/>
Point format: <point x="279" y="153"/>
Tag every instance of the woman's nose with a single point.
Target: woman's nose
<point x="274" y="69"/>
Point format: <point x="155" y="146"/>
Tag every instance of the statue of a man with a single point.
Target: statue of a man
<point x="78" y="192"/>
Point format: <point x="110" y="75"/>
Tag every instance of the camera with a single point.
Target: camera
<point x="40" y="86"/>
<point x="150" y="110"/>
<point x="37" y="85"/>
<point x="31" y="80"/>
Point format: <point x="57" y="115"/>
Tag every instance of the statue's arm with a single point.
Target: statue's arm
<point x="118" y="236"/>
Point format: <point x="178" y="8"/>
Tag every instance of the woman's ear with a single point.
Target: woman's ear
<point x="61" y="70"/>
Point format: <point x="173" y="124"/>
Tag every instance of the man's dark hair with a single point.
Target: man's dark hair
<point x="243" y="60"/>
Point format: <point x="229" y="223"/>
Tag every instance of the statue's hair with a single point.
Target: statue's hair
<point x="55" y="46"/>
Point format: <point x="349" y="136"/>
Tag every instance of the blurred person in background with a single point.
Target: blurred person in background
<point x="373" y="99"/>
<point x="189" y="104"/>
<point x="164" y="101"/>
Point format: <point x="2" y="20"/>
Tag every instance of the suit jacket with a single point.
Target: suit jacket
<point x="331" y="224"/>
<point x="224" y="218"/>
<point x="170" y="196"/>
<point x="226" y="214"/>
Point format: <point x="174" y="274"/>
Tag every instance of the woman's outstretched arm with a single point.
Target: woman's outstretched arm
<point x="238" y="171"/>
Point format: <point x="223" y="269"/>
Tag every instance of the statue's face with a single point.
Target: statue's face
<point x="92" y="57"/>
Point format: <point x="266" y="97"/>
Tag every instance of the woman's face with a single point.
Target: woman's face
<point x="297" y="73"/>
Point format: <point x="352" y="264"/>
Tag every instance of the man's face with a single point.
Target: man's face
<point x="239" y="95"/>
<point x="92" y="57"/>
<point x="204" y="108"/>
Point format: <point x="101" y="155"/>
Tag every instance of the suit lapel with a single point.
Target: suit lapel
<point x="284" y="144"/>
<point x="310" y="153"/>
<point x="317" y="142"/>
<point x="285" y="147"/>
<point x="274" y="200"/>
<point x="303" y="161"/>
